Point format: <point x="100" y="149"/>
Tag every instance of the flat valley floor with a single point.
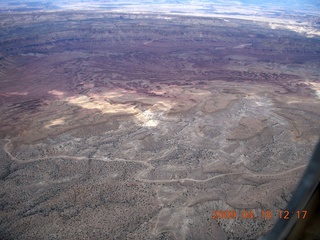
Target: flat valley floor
<point x="124" y="126"/>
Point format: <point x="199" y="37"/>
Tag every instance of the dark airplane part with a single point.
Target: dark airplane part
<point x="306" y="197"/>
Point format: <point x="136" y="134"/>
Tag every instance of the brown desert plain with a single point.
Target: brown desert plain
<point x="139" y="126"/>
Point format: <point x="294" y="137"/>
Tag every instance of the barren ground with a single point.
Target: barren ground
<point x="138" y="127"/>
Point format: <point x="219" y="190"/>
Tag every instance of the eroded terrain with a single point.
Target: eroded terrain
<point x="139" y="126"/>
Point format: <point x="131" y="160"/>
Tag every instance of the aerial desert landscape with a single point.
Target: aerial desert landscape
<point x="126" y="125"/>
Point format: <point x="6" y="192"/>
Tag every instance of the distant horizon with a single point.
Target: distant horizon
<point x="297" y="15"/>
<point x="298" y="6"/>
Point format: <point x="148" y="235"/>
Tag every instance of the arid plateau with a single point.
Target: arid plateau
<point x="139" y="126"/>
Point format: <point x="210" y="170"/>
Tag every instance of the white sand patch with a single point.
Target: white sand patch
<point x="56" y="93"/>
<point x="8" y="94"/>
<point x="148" y="119"/>
<point x="243" y="45"/>
<point x="309" y="31"/>
<point x="316" y="87"/>
<point x="55" y="122"/>
<point x="99" y="104"/>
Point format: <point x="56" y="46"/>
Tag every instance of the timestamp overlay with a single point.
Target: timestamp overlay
<point x="244" y="214"/>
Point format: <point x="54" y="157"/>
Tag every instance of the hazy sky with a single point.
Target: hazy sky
<point x="297" y="5"/>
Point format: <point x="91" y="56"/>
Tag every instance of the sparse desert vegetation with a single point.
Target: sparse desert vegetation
<point x="138" y="126"/>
